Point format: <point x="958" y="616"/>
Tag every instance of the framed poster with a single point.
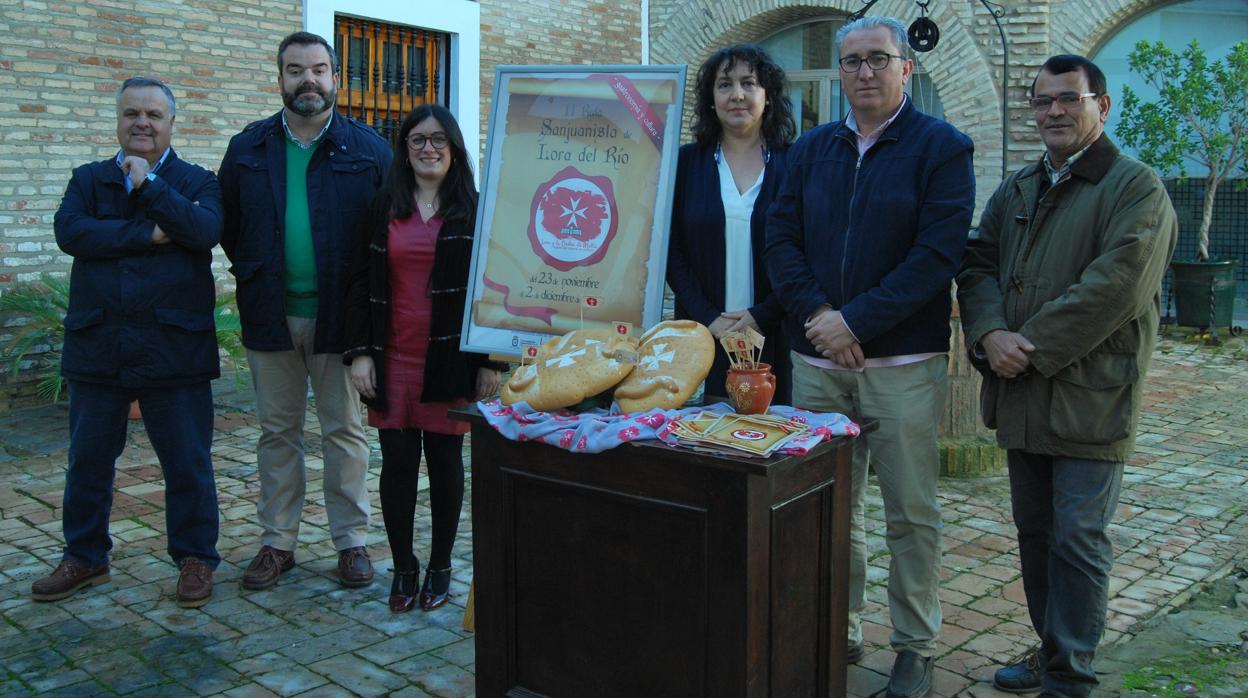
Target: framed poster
<point x="575" y="204"/>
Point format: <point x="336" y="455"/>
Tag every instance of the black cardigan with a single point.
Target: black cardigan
<point x="695" y="258"/>
<point x="449" y="373"/>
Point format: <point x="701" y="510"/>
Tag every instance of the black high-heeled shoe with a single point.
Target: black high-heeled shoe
<point x="435" y="591"/>
<point x="403" y="591"/>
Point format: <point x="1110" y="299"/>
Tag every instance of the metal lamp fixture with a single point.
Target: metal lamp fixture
<point x="923" y="33"/>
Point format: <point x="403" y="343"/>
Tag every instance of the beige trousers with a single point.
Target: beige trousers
<point x="907" y="400"/>
<point x="281" y="382"/>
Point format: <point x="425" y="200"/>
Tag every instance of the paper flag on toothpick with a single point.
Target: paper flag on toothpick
<point x="725" y="341"/>
<point x="755" y="337"/>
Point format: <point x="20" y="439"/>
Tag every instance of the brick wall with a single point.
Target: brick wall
<point x="60" y="64"/>
<point x="966" y="66"/>
<point x="555" y="32"/>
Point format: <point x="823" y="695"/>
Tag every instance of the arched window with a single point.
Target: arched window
<point x="1216" y="24"/>
<point x="807" y="52"/>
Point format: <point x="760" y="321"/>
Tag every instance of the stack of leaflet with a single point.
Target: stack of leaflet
<point x="756" y="435"/>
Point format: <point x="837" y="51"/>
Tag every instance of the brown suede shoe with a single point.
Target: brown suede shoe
<point x="194" y="584"/>
<point x="269" y="564"/>
<point x="68" y="577"/>
<point x="354" y="568"/>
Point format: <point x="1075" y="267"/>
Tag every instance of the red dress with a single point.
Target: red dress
<point x="409" y="251"/>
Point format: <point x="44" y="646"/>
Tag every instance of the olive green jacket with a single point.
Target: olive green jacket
<point x="1076" y="269"/>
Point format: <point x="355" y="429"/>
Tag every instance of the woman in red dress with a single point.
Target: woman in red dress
<point x="405" y="303"/>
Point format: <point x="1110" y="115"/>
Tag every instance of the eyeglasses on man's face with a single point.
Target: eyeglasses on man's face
<point x="1068" y="100"/>
<point x="874" y="61"/>
<point x="416" y="141"/>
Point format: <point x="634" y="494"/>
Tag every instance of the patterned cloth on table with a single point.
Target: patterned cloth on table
<point x="597" y="430"/>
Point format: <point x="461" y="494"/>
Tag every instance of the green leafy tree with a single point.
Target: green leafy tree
<point x="1200" y="114"/>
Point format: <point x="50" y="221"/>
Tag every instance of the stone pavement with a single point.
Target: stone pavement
<point x="1182" y="520"/>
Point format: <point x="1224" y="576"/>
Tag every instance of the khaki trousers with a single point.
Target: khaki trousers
<point x="907" y="400"/>
<point x="281" y="382"/>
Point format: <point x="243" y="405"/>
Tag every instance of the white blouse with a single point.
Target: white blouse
<point x="739" y="252"/>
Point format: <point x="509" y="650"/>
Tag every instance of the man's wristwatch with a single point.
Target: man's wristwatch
<point x="149" y="177"/>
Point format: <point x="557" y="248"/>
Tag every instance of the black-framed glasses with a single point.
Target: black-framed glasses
<point x="874" y="61"/>
<point x="416" y="141"/>
<point x="1066" y="99"/>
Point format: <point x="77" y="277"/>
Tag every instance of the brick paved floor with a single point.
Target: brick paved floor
<point x="1182" y="518"/>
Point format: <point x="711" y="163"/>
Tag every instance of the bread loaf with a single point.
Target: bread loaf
<point x="675" y="357"/>
<point x="570" y="368"/>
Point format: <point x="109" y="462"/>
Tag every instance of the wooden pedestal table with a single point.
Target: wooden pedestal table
<point x="653" y="571"/>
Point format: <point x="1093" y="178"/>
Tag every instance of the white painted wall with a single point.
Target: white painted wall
<point x="459" y="18"/>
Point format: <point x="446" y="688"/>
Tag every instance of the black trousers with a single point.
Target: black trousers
<point x="400" y="471"/>
<point x="1062" y="508"/>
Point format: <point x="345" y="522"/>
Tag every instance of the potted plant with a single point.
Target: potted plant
<point x="1200" y="116"/>
<point x="44" y="303"/>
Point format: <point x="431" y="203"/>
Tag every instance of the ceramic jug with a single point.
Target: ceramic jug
<point x="750" y="388"/>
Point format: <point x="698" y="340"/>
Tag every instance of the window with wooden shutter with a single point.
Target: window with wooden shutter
<point x="387" y="70"/>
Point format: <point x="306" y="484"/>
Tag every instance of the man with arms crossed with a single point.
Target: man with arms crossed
<point x="141" y="227"/>
<point x="1060" y="298"/>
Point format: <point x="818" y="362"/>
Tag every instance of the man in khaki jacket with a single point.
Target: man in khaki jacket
<point x="1060" y="297"/>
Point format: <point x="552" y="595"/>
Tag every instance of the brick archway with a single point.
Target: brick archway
<point x="964" y="76"/>
<point x="1084" y="33"/>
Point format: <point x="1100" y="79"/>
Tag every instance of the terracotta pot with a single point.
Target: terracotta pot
<point x="750" y="389"/>
<point x="134" y="411"/>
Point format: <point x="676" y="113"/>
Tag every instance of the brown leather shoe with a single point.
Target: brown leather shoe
<point x="269" y="564"/>
<point x="354" y="568"/>
<point x="68" y="577"/>
<point x="194" y="584"/>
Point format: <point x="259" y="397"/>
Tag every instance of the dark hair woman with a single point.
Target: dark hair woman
<point x="405" y="302"/>
<point x="725" y="181"/>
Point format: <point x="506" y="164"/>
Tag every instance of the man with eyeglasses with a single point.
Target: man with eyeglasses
<point x="1060" y="299"/>
<point x="296" y="184"/>
<point x="862" y="245"/>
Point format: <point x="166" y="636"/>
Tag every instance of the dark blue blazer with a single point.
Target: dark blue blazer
<point x="879" y="238"/>
<point x="696" y="253"/>
<point x="345" y="172"/>
<point x="140" y="314"/>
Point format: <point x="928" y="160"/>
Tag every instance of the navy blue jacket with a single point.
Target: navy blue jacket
<point x="696" y="252"/>
<point x="346" y="170"/>
<point x="140" y="314"/>
<point x="881" y="239"/>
